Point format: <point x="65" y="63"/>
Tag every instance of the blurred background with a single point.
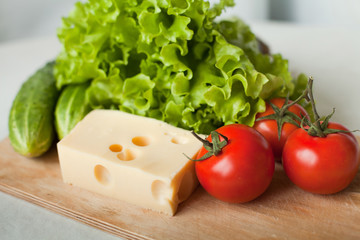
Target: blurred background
<point x="32" y="18"/>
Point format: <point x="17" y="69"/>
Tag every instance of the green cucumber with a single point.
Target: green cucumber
<point x="31" y="119"/>
<point x="70" y="108"/>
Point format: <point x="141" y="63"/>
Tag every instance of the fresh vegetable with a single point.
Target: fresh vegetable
<point x="279" y="120"/>
<point x="71" y="107"/>
<point x="31" y="128"/>
<point x="236" y="164"/>
<point x="169" y="60"/>
<point x="322" y="157"/>
<point x="322" y="165"/>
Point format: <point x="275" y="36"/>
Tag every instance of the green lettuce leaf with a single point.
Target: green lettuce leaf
<point x="169" y="60"/>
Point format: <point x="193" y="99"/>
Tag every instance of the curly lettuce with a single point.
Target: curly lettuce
<point x="169" y="60"/>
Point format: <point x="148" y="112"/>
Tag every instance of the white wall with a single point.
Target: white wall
<point x="338" y="13"/>
<point x="249" y="10"/>
<point x="31" y="18"/>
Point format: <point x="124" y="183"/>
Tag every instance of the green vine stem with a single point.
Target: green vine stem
<point x="317" y="124"/>
<point x="319" y="127"/>
<point x="283" y="115"/>
<point x="213" y="148"/>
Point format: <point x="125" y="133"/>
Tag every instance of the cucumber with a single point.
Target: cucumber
<point x="71" y="108"/>
<point x="31" y="119"/>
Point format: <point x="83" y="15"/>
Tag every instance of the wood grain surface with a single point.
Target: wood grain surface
<point x="282" y="212"/>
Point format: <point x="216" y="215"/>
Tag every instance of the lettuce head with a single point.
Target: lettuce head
<point x="170" y="60"/>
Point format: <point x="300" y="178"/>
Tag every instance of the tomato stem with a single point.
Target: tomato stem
<point x="317" y="127"/>
<point x="283" y="115"/>
<point x="287" y="105"/>
<point x="213" y="148"/>
<point x="312" y="101"/>
<point x="204" y="141"/>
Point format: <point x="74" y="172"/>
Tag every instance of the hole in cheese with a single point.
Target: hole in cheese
<point x="127" y="155"/>
<point x="116" y="148"/>
<point x="102" y="175"/>
<point x="160" y="191"/>
<point x="141" y="141"/>
<point x="186" y="187"/>
<point x="179" y="140"/>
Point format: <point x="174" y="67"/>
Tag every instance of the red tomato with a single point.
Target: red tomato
<point x="244" y="168"/>
<point x="321" y="165"/>
<point x="269" y="129"/>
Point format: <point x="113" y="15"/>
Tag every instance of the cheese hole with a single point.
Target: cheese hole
<point x="160" y="191"/>
<point x="179" y="140"/>
<point x="141" y="141"/>
<point x="116" y="148"/>
<point x="102" y="175"/>
<point x="126" y="155"/>
<point x="186" y="187"/>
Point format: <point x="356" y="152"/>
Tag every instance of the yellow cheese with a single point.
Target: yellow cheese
<point x="131" y="158"/>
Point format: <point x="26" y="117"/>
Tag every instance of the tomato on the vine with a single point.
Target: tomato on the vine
<point x="269" y="127"/>
<point x="242" y="170"/>
<point x="322" y="156"/>
<point x="323" y="165"/>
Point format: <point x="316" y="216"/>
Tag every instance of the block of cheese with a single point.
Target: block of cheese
<point x="135" y="159"/>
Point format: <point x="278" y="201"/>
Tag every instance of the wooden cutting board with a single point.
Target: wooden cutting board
<point x="282" y="212"/>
